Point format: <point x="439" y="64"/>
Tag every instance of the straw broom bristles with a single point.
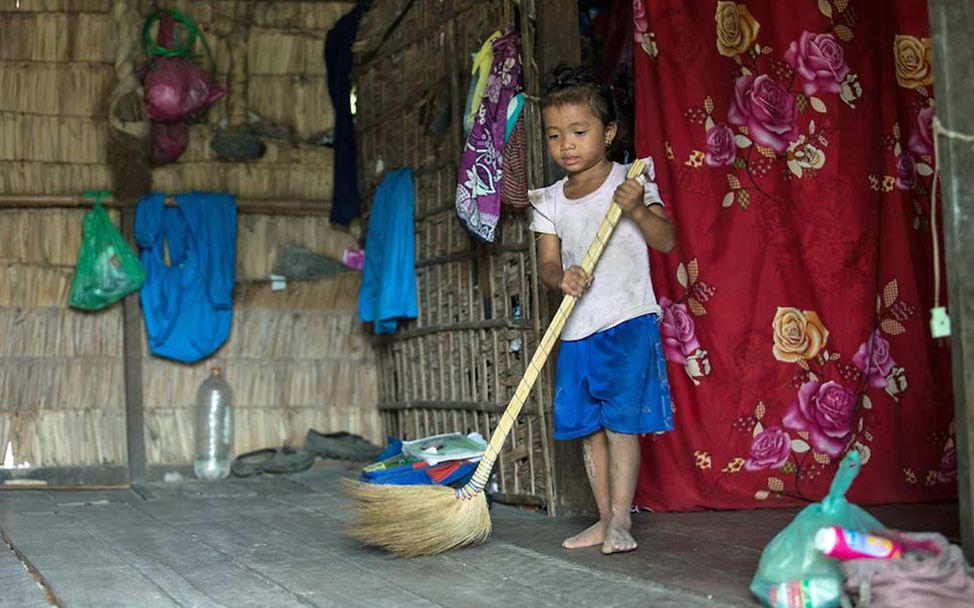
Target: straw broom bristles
<point x="426" y="520"/>
<point x="416" y="520"/>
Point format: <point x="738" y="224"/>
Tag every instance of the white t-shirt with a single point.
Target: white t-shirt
<point x="623" y="288"/>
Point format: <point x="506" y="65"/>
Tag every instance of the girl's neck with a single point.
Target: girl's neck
<point x="588" y="181"/>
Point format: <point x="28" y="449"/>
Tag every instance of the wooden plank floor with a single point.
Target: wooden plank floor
<point x="277" y="542"/>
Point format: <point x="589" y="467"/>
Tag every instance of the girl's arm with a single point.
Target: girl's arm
<point x="652" y="221"/>
<point x="573" y="281"/>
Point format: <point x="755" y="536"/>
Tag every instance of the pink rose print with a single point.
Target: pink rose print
<point x="906" y="172"/>
<point x="766" y="109"/>
<point x="769" y="450"/>
<point x="640" y="20"/>
<point x="825" y="412"/>
<point x="948" y="466"/>
<point x="874" y="360"/>
<point x="921" y="140"/>
<point x="678" y="332"/>
<point x="721" y="149"/>
<point x="818" y="61"/>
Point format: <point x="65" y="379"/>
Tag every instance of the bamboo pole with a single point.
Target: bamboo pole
<point x="252" y="206"/>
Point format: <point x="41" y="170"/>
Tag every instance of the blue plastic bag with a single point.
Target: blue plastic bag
<point x="792" y="573"/>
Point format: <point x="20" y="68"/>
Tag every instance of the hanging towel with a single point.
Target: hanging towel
<point x="346" y="204"/>
<point x="188" y="303"/>
<point x="481" y="164"/>
<point x="388" y="291"/>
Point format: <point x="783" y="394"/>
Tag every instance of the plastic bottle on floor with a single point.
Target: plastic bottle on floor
<point x="843" y="544"/>
<point x="805" y="593"/>
<point x="214" y="427"/>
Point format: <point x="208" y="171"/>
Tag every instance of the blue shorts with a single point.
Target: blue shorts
<point x="614" y="379"/>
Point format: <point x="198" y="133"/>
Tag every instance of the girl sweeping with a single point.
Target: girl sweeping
<point x="610" y="384"/>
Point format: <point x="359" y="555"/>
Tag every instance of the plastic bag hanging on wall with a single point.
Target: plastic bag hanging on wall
<point x="108" y="269"/>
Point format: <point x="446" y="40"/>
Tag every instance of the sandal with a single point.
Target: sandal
<point x="341" y="445"/>
<point x="272" y="460"/>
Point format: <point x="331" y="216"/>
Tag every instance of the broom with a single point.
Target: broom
<point x="426" y="520"/>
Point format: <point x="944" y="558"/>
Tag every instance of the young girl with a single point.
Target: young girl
<point x="610" y="384"/>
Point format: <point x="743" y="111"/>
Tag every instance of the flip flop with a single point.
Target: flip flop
<point x="290" y="460"/>
<point x="251" y="463"/>
<point x="272" y="460"/>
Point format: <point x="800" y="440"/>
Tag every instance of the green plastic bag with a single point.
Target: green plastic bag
<point x="792" y="573"/>
<point x="108" y="269"/>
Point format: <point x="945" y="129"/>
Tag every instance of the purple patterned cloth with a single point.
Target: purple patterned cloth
<point x="481" y="164"/>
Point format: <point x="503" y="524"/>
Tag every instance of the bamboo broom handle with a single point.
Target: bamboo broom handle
<point x="499" y="436"/>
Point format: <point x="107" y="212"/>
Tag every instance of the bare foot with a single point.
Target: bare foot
<point x="595" y="535"/>
<point x="618" y="539"/>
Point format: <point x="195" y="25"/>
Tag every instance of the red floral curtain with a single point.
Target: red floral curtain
<point x="793" y="145"/>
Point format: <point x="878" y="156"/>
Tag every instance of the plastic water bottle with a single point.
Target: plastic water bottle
<point x="214" y="427"/>
<point x="805" y="593"/>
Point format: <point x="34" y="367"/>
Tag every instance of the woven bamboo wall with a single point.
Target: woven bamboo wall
<point x="456" y="367"/>
<point x="297" y="359"/>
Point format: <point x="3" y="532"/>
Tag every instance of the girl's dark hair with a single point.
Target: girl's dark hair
<point x="572" y="85"/>
<point x="575" y="85"/>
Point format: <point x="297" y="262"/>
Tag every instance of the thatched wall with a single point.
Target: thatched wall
<point x="457" y="366"/>
<point x="297" y="358"/>
<point x="56" y="72"/>
<point x="50" y="407"/>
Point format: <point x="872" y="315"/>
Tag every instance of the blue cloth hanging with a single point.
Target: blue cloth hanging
<point x="388" y="291"/>
<point x="188" y="304"/>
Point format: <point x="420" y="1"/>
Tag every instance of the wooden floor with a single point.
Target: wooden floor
<point x="277" y="542"/>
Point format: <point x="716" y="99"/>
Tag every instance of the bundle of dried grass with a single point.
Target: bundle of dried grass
<point x="34" y="286"/>
<point x="22" y="236"/>
<point x="169" y="435"/>
<point x="46" y="178"/>
<point x="62" y="383"/>
<point x="246" y="180"/>
<point x="254" y="382"/>
<point x="66" y="6"/>
<point x="59" y="332"/>
<point x="34" y="36"/>
<point x="429" y="519"/>
<point x="338" y="293"/>
<point x="59" y="89"/>
<point x="65" y="139"/>
<point x="277" y="52"/>
<point x="308" y="16"/>
<point x="317" y="335"/>
<point x="65" y="437"/>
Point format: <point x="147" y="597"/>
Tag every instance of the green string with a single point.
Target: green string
<point x="151" y="48"/>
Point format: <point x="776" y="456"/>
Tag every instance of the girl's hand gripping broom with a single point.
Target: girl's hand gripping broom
<point x="426" y="520"/>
